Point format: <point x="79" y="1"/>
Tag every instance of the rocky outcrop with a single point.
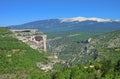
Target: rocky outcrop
<point x="33" y="37"/>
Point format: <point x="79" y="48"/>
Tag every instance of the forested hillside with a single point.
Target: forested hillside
<point x="17" y="59"/>
<point x="84" y="47"/>
<point x="105" y="69"/>
<point x="101" y="55"/>
<point x="69" y="45"/>
<point x="107" y="45"/>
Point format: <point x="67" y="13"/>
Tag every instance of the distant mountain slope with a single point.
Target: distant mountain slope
<point x="107" y="45"/>
<point x="75" y="48"/>
<point x="108" y="40"/>
<point x="104" y="46"/>
<point x="79" y="23"/>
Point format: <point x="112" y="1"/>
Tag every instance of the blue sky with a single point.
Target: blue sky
<point x="22" y="11"/>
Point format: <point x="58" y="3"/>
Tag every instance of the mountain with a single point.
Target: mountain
<point x="107" y="45"/>
<point x="84" y="47"/>
<point x="67" y="37"/>
<point x="107" y="40"/>
<point x="81" y="19"/>
<point x="66" y="24"/>
<point x="78" y="41"/>
<point x="19" y="61"/>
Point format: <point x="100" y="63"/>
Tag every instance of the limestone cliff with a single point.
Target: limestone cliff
<point x="33" y="37"/>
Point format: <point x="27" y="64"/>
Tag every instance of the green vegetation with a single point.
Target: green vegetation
<point x="107" y="64"/>
<point x="67" y="44"/>
<point x="98" y="70"/>
<point x="107" y="45"/>
<point x="17" y="58"/>
<point x="83" y="34"/>
<point x="72" y="46"/>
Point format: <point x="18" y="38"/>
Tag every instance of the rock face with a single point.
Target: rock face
<point x="33" y="37"/>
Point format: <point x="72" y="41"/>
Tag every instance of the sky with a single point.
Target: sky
<point x="13" y="12"/>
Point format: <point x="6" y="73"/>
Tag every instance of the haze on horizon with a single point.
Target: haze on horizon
<point x="14" y="12"/>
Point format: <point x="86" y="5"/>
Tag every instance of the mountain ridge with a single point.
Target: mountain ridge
<point x="80" y="19"/>
<point x="57" y="25"/>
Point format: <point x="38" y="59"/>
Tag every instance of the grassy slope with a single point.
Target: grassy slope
<point x="16" y="57"/>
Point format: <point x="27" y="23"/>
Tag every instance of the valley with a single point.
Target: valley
<point x="59" y="39"/>
<point x="83" y="48"/>
<point x="67" y="49"/>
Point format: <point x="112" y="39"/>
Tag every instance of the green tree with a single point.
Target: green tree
<point x="117" y="66"/>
